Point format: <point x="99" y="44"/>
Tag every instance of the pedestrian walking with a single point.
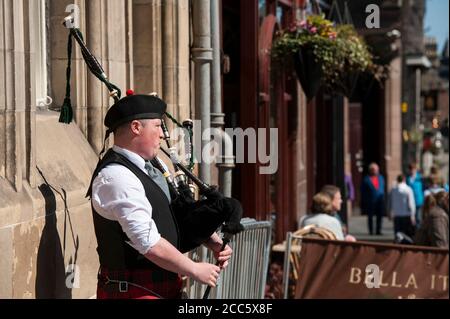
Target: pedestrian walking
<point x="402" y="207"/>
<point x="414" y="180"/>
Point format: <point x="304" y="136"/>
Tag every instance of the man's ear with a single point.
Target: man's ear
<point x="136" y="127"/>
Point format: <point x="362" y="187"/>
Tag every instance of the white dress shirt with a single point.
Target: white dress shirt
<point x="117" y="194"/>
<point x="401" y="201"/>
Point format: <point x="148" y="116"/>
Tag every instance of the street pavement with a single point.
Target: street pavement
<point x="358" y="228"/>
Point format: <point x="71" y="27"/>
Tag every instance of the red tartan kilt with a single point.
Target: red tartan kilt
<point x="162" y="283"/>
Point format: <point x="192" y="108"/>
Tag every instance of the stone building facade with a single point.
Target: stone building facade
<point x="46" y="227"/>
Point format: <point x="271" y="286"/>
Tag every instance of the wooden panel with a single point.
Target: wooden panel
<point x="251" y="202"/>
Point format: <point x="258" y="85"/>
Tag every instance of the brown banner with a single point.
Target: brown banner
<point x="337" y="269"/>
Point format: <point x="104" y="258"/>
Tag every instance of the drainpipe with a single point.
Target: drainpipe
<point x="226" y="158"/>
<point x="418" y="109"/>
<point x="202" y="57"/>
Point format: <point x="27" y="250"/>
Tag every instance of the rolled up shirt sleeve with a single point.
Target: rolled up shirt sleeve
<point x="117" y="194"/>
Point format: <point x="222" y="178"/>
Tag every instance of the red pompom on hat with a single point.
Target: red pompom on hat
<point x="130" y="92"/>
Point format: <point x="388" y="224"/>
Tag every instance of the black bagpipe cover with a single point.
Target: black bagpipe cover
<point x="198" y="220"/>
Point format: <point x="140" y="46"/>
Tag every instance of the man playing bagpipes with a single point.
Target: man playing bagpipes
<point x="140" y="228"/>
<point x="143" y="223"/>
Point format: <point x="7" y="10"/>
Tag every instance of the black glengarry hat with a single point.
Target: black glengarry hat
<point x="134" y="107"/>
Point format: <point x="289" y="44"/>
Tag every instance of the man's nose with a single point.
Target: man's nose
<point x="161" y="133"/>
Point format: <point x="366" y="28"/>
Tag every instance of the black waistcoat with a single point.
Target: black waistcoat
<point x="114" y="253"/>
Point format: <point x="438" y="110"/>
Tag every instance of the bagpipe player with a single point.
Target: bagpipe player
<point x="142" y="231"/>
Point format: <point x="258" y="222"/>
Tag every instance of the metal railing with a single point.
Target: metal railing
<point x="245" y="276"/>
<point x="287" y="260"/>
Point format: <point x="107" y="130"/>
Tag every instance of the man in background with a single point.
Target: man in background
<point x="402" y="207"/>
<point x="372" y="198"/>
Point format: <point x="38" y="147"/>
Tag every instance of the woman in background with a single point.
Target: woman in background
<point x="322" y="215"/>
<point x="434" y="230"/>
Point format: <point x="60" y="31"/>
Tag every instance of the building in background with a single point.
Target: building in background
<point x="415" y="64"/>
<point x="434" y="119"/>
<point x="46" y="229"/>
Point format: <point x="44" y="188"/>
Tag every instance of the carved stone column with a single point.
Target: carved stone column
<point x="175" y="57"/>
<point x="108" y="37"/>
<point x="96" y="92"/>
<point x="147" y="46"/>
<point x="13" y="99"/>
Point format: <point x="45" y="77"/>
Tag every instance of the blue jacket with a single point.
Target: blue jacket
<point x="372" y="200"/>
<point x="417" y="187"/>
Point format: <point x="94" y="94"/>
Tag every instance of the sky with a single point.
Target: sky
<point x="436" y="20"/>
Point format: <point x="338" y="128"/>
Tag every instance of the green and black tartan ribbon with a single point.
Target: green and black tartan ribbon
<point x="93" y="65"/>
<point x="66" y="114"/>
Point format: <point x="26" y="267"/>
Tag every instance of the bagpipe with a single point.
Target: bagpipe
<point x="197" y="219"/>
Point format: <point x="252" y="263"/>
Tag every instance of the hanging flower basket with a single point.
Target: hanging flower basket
<point x="364" y="85"/>
<point x="309" y="43"/>
<point x="324" y="55"/>
<point x="309" y="71"/>
<point x="356" y="59"/>
<point x="347" y="83"/>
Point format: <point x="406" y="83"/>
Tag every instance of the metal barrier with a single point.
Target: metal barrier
<point x="287" y="259"/>
<point x="245" y="276"/>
